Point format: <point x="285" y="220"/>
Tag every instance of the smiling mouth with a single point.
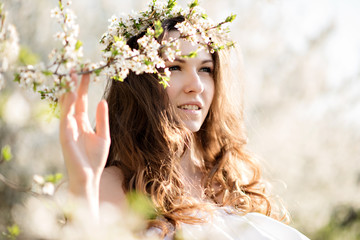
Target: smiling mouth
<point x="189" y="107"/>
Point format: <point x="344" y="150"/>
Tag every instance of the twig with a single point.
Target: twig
<point x="14" y="185"/>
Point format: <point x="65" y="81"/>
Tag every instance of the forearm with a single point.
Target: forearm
<point x="88" y="193"/>
<point x="85" y="151"/>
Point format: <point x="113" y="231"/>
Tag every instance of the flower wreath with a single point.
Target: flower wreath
<point x="118" y="57"/>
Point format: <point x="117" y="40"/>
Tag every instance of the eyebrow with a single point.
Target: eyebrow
<point x="202" y="62"/>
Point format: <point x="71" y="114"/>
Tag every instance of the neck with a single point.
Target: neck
<point x="191" y="169"/>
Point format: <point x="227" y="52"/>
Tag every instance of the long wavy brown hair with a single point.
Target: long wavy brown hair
<point x="148" y="141"/>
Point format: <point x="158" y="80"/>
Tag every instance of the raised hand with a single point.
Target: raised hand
<point x="85" y="151"/>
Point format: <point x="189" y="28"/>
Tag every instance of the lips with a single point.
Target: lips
<point x="192" y="106"/>
<point x="189" y="107"/>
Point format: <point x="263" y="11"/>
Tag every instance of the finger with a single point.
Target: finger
<point x="82" y="101"/>
<point x="67" y="103"/>
<point x="67" y="106"/>
<point x="102" y="120"/>
<point x="73" y="79"/>
<point x="73" y="76"/>
<point x="81" y="105"/>
<point x="66" y="110"/>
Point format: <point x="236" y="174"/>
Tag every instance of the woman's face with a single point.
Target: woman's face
<point x="192" y="86"/>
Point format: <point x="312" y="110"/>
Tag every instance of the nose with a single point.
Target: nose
<point x="194" y="83"/>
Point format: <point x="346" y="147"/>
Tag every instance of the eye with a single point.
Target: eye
<point x="206" y="69"/>
<point x="174" y="68"/>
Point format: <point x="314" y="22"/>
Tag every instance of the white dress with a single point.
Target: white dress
<point x="252" y="226"/>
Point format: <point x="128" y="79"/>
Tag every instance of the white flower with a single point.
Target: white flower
<point x="60" y="36"/>
<point x="112" y="30"/>
<point x="159" y="62"/>
<point x="167" y="72"/>
<point x="2" y="81"/>
<point x="123" y="73"/>
<point x="5" y="64"/>
<point x="38" y="179"/>
<point x="9" y="47"/>
<point x="48" y="188"/>
<point x="186" y="28"/>
<point x="35" y="211"/>
<point x="143" y="41"/>
<point x="55" y="13"/>
<point x="120" y="44"/>
<point x="114" y="19"/>
<point x="70" y="18"/>
<point x="107" y="54"/>
<point x="170" y="54"/>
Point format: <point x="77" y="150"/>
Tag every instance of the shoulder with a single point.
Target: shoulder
<point x="111" y="186"/>
<point x="273" y="227"/>
<point x="257" y="226"/>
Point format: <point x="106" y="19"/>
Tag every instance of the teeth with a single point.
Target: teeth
<point x="189" y="107"/>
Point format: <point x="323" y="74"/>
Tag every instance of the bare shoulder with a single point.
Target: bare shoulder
<point x="111" y="186"/>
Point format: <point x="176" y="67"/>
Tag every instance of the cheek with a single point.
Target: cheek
<point x="171" y="92"/>
<point x="211" y="91"/>
<point x="173" y="89"/>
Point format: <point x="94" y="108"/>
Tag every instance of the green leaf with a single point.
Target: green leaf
<point x="63" y="82"/>
<point x="147" y="62"/>
<point x="190" y="55"/>
<point x="179" y="235"/>
<point x="164" y="80"/>
<point x="61" y="6"/>
<point x="1" y="8"/>
<point x="230" y="44"/>
<point x="6" y="153"/>
<point x="97" y="72"/>
<point x="117" y="78"/>
<point x="149" y="32"/>
<point x="13" y="230"/>
<point x="17" y="77"/>
<point x="158" y="28"/>
<point x="114" y="52"/>
<point x="54" y="178"/>
<point x="27" y="57"/>
<point x="171" y="4"/>
<point x="117" y="39"/>
<point x="127" y="35"/>
<point x="230" y="18"/>
<point x="164" y="83"/>
<point x="194" y="4"/>
<point x="137" y="25"/>
<point x="54" y="110"/>
<point x="204" y="16"/>
<point x="47" y="73"/>
<point x="141" y="204"/>
<point x="220" y="48"/>
<point x="78" y="45"/>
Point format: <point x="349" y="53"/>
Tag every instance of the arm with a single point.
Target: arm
<point x="85" y="151"/>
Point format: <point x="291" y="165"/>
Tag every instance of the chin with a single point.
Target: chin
<point x="193" y="127"/>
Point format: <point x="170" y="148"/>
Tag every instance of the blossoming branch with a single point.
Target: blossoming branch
<point x="9" y="45"/>
<point x="119" y="58"/>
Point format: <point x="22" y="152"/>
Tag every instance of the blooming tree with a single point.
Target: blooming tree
<point x="53" y="79"/>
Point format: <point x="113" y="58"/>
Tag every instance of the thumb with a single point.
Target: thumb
<point x="102" y="120"/>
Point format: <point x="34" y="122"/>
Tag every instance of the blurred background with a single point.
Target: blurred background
<point x="301" y="62"/>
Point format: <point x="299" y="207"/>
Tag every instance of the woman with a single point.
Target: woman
<point x="183" y="146"/>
